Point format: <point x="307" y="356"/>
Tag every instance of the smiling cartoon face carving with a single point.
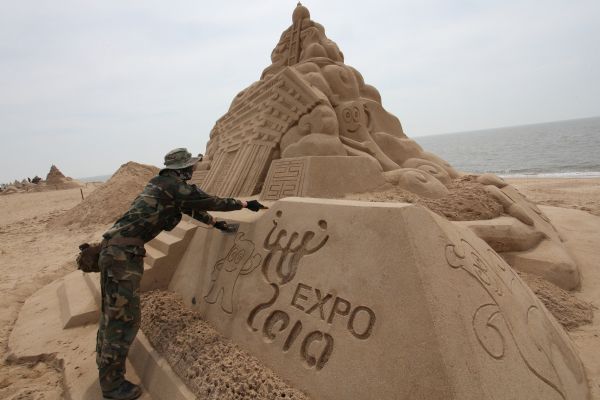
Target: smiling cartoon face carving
<point x="352" y="121"/>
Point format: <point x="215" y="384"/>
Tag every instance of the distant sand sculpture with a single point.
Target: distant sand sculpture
<point x="342" y="299"/>
<point x="55" y="180"/>
<point x="111" y="199"/>
<point x="55" y="176"/>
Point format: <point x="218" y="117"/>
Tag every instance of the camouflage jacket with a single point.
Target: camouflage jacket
<point x="160" y="205"/>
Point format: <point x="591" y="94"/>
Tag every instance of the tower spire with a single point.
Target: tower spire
<point x="298" y="16"/>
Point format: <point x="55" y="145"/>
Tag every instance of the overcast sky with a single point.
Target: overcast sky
<point x="89" y="85"/>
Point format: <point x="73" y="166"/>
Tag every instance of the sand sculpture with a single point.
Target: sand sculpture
<point x="344" y="299"/>
<point x="55" y="180"/>
<point x="112" y="199"/>
<point x="382" y="313"/>
<point x="312" y="127"/>
<point x="55" y="176"/>
<point x="309" y="104"/>
<point x="417" y="309"/>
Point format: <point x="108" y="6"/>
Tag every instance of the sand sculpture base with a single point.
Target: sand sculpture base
<point x="41" y="333"/>
<point x="416" y="307"/>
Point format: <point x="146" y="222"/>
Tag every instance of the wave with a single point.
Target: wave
<point x="574" y="174"/>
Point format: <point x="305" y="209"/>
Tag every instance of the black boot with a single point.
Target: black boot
<point x="127" y="391"/>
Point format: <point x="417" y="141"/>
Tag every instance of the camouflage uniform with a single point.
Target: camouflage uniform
<point x="159" y="207"/>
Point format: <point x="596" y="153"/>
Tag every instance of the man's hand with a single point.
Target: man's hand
<point x="225" y="227"/>
<point x="254" y="205"/>
<point x="220" y="225"/>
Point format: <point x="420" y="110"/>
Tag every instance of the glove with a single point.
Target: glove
<point x="254" y="205"/>
<point x="225" y="227"/>
<point x="221" y="225"/>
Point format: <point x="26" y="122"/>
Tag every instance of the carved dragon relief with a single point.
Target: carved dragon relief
<point x="503" y="321"/>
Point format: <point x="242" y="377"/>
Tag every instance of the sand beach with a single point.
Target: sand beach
<point x="581" y="194"/>
<point x="34" y="251"/>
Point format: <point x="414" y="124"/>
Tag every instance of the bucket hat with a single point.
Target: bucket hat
<point x="180" y="158"/>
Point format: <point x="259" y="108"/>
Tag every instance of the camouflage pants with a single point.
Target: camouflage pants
<point x="120" y="273"/>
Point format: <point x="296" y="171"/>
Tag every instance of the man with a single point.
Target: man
<point x="157" y="208"/>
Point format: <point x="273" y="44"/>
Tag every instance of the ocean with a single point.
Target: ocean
<point x="554" y="149"/>
<point x="99" y="178"/>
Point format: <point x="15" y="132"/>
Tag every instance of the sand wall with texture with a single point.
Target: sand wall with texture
<point x="413" y="308"/>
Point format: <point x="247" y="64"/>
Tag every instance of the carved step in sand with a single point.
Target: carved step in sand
<point x="184" y="228"/>
<point x="154" y="257"/>
<point x="79" y="299"/>
<point x="163" y="254"/>
<point x="163" y="242"/>
<point x="38" y="334"/>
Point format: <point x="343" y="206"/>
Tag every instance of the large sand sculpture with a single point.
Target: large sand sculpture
<point x="343" y="299"/>
<point x="312" y="127"/>
<point x="309" y="114"/>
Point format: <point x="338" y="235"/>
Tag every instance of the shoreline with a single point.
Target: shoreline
<point x="576" y="193"/>
<point x="552" y="175"/>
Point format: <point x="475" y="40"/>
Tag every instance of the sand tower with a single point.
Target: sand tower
<point x="55" y="179"/>
<point x="311" y="126"/>
<point x="55" y="176"/>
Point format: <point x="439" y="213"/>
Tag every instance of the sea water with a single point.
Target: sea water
<point x="555" y="149"/>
